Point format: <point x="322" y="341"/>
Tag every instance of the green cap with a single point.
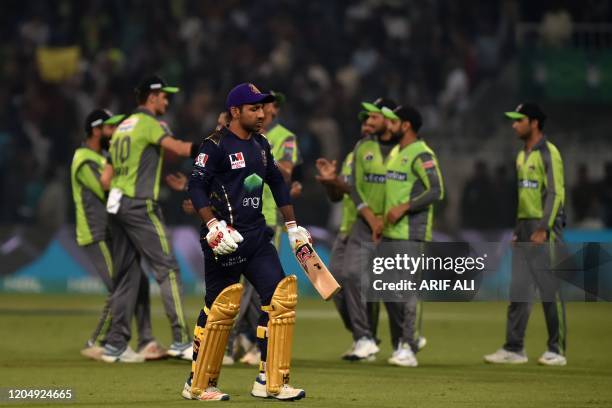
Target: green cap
<point x="378" y="104"/>
<point x="515" y="115"/>
<point x="389" y="114"/>
<point x="113" y="120"/>
<point x="170" y="89"/>
<point x="527" y="110"/>
<point x="370" y="107"/>
<point x="155" y="83"/>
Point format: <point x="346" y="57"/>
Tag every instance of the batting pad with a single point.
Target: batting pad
<point x="219" y="321"/>
<point x="281" y="312"/>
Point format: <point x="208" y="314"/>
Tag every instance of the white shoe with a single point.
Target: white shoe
<point x="186" y="393"/>
<point x="183" y="351"/>
<point x="403" y="356"/>
<point x="364" y="349"/>
<point x="241" y="346"/>
<point x="252" y="357"/>
<point x="550" y="358"/>
<point x="503" y="356"/>
<point x="227" y="360"/>
<point x="421" y="342"/>
<point x="113" y="355"/>
<point x="92" y="351"/>
<point x="212" y="394"/>
<point x="348" y="353"/>
<point x="153" y="351"/>
<point x="287" y="392"/>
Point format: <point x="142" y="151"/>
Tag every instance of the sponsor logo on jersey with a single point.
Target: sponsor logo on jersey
<point x="201" y="160"/>
<point x="251" y="202"/>
<point x="127" y="124"/>
<point x="252" y="182"/>
<point x="237" y="160"/>
<point x="374" y="178"/>
<point x="533" y="184"/>
<point x="396" y="175"/>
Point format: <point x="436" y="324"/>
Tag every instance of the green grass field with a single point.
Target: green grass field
<point x="41" y="337"/>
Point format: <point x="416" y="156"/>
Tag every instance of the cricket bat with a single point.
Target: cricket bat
<point x="320" y="277"/>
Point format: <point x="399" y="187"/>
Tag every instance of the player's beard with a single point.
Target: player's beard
<point x="253" y="128"/>
<point x="524" y="136"/>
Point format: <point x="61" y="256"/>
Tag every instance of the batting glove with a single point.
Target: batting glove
<point x="220" y="238"/>
<point x="297" y="235"/>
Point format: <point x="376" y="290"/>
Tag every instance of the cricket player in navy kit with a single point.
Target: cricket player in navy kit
<point x="226" y="188"/>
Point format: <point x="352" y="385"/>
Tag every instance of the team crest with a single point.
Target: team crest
<point x="264" y="158"/>
<point x="254" y="89"/>
<point x="404" y="160"/>
<point x="201" y="160"/>
<point x="368" y="156"/>
<point x="237" y="160"/>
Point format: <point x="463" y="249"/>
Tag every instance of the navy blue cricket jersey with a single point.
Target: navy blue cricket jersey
<point x="228" y="175"/>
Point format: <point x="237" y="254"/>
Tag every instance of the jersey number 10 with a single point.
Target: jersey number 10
<point x="121" y="149"/>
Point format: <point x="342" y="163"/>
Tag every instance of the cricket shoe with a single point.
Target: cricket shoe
<point x="346" y="355"/>
<point x="551" y="358"/>
<point x="209" y="394"/>
<point x="186" y="393"/>
<point x="252" y="357"/>
<point x="92" y="351"/>
<point x="227" y="360"/>
<point x="365" y="350"/>
<point x="181" y="350"/>
<point x="287" y="392"/>
<point x="403" y="356"/>
<point x="503" y="356"/>
<point x="153" y="351"/>
<point x="242" y="344"/>
<point x="116" y="355"/>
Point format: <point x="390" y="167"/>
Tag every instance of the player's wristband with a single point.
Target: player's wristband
<point x="291" y="226"/>
<point x="195" y="150"/>
<point x="362" y="206"/>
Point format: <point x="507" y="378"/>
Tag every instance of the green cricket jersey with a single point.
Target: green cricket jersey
<point x="349" y="211"/>
<point x="413" y="175"/>
<point x="541" y="187"/>
<point x="137" y="156"/>
<point x="283" y="146"/>
<point x="369" y="173"/>
<point x="88" y="195"/>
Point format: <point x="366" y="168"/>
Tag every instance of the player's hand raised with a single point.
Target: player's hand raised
<point x="297" y="234"/>
<point x="221" y="238"/>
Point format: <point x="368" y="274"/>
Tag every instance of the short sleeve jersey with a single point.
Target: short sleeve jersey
<point x="137" y="155"/>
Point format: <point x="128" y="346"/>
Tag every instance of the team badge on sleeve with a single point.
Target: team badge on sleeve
<point x="237" y="160"/>
<point x="429" y="164"/>
<point x="201" y="160"/>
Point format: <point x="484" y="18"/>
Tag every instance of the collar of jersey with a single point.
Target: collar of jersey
<point x="140" y="109"/>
